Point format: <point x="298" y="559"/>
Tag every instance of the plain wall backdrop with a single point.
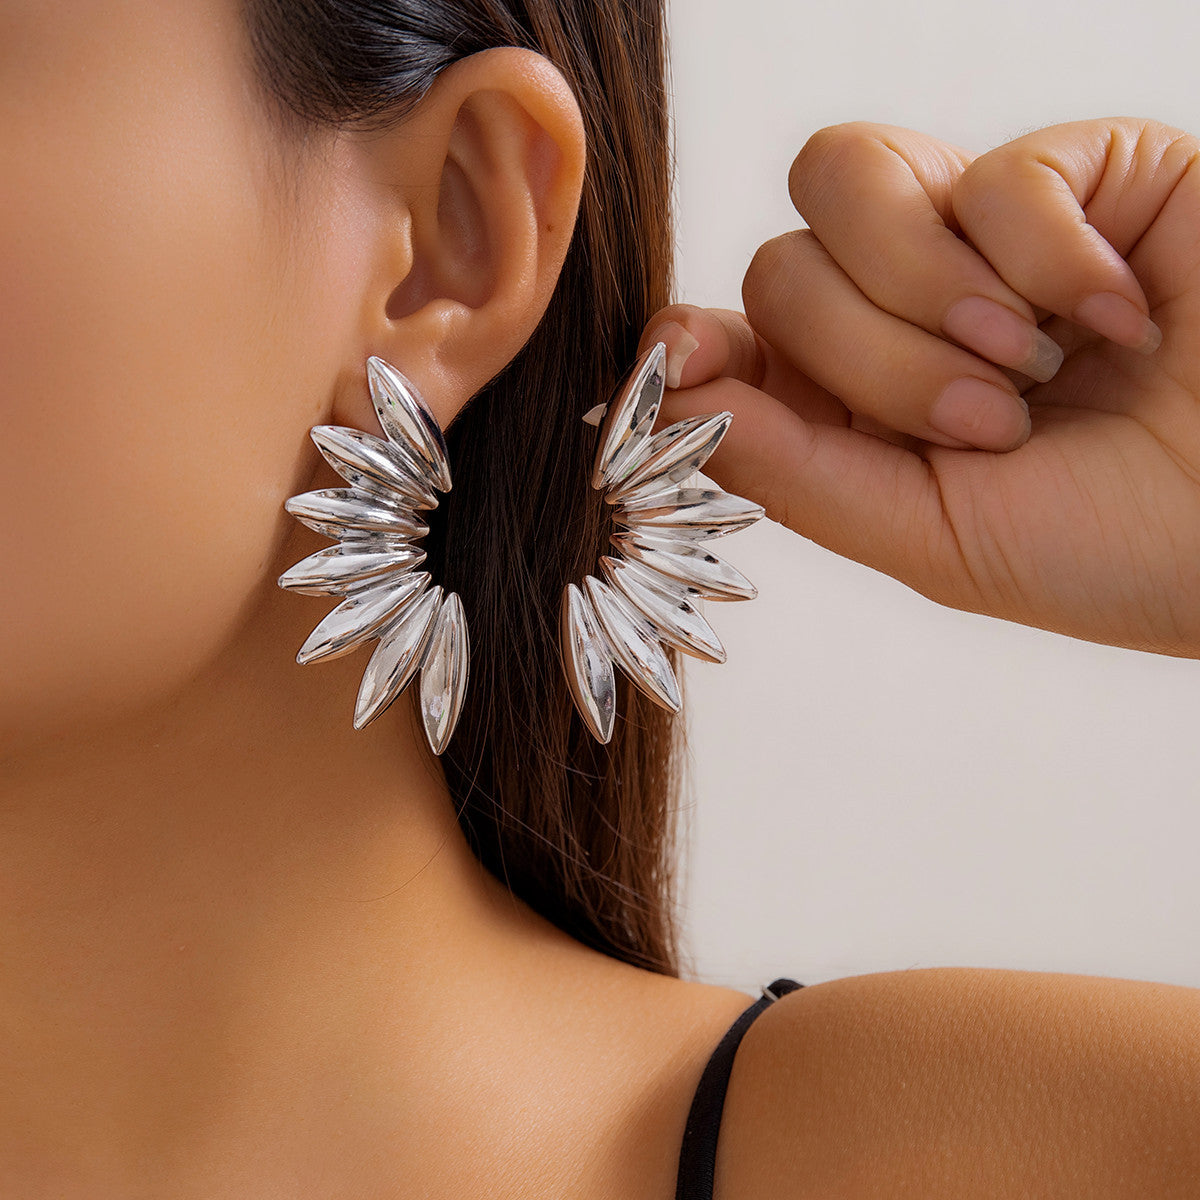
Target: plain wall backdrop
<point x="879" y="783"/>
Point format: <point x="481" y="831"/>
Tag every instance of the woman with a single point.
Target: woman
<point x="251" y="950"/>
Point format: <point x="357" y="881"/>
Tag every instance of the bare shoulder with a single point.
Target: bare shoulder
<point x="969" y="1084"/>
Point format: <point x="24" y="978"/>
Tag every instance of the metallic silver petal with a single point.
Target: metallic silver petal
<point x="674" y="619"/>
<point x="444" y="673"/>
<point x="333" y="510"/>
<point x="373" y="464"/>
<point x="659" y="583"/>
<point x="346" y="567"/>
<point x="693" y="568"/>
<point x="397" y="657"/>
<point x="674" y="454"/>
<point x="405" y="418"/>
<point x="630" y="417"/>
<point x="636" y="651"/>
<point x="361" y="616"/>
<point x="632" y="498"/>
<point x="363" y="541"/>
<point x="588" y="663"/>
<point x="692" y="513"/>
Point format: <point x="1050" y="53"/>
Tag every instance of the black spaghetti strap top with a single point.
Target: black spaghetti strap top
<point x="698" y="1154"/>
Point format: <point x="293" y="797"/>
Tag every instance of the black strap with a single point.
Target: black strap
<point x="698" y="1155"/>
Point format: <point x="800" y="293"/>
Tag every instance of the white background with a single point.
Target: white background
<point x="879" y="783"/>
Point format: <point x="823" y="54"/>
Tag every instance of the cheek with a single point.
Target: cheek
<point x="164" y="352"/>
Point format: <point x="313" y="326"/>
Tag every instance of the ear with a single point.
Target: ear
<point x="470" y="228"/>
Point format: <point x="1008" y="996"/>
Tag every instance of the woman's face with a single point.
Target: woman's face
<point x="176" y="302"/>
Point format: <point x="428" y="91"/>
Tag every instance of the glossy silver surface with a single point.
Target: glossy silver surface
<point x="373" y="464"/>
<point x="397" y="657"/>
<point x="630" y="417"/>
<point x="652" y="585"/>
<point x="589" y="663"/>
<point x="375" y="523"/>
<point x="673" y="619"/>
<point x="694" y="514"/>
<point x="332" y="511"/>
<point x="406" y="420"/>
<point x="694" y="570"/>
<point x="634" y="647"/>
<point x="444" y="673"/>
<point x="672" y="456"/>
<point x="361" y="616"/>
<point x="347" y="567"/>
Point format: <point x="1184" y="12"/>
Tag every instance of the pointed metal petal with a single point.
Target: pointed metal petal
<point x="345" y="567"/>
<point x="694" y="569"/>
<point x="674" y="454"/>
<point x="405" y="418"/>
<point x="361" y="616"/>
<point x="373" y="464"/>
<point x="636" y="650"/>
<point x="367" y="541"/>
<point x="632" y="498"/>
<point x="674" y="619"/>
<point x="630" y="416"/>
<point x="396" y="658"/>
<point x="656" y="582"/>
<point x="444" y="669"/>
<point x="594" y="416"/>
<point x="588" y="663"/>
<point x="334" y="510"/>
<point x="691" y="513"/>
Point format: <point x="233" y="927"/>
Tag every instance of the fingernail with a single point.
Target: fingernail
<point x="1120" y="321"/>
<point x="680" y="345"/>
<point x="982" y="415"/>
<point x="1003" y="336"/>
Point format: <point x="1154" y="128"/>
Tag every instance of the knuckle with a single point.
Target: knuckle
<point x="765" y="266"/>
<point x="979" y="179"/>
<point x="772" y="271"/>
<point x="983" y="196"/>
<point x="828" y="160"/>
<point x="1160" y="147"/>
<point x="1147" y="138"/>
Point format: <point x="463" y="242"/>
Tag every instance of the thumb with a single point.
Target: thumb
<point x="703" y="343"/>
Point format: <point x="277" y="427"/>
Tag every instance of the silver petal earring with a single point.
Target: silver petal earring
<point x="649" y="595"/>
<point x="373" y="567"/>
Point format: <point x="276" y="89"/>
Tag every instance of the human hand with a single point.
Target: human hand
<point x="1090" y="526"/>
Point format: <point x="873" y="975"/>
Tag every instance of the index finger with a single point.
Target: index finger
<point x="880" y="199"/>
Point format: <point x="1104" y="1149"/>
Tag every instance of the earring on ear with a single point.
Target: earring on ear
<point x="376" y="523"/>
<point x="648" y="596"/>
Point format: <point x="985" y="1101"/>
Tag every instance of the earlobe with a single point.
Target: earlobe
<point x="488" y="170"/>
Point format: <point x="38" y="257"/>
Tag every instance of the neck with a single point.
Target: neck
<point x="231" y="904"/>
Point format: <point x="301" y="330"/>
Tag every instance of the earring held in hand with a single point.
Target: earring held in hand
<point x="647" y="598"/>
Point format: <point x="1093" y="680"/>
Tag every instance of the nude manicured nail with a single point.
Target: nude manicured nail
<point x="982" y="415"/>
<point x="1120" y="321"/>
<point x="680" y="345"/>
<point x="1003" y="336"/>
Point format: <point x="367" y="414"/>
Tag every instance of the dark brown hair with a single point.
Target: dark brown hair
<point x="584" y="833"/>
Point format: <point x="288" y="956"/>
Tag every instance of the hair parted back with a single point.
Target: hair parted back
<point x="583" y="832"/>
